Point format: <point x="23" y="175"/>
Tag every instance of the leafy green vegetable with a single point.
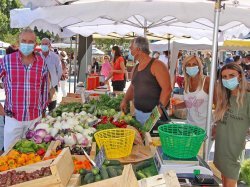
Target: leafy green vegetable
<point x="245" y="171"/>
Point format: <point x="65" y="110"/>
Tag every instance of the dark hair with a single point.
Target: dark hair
<point x="10" y="50"/>
<point x="236" y="58"/>
<point x="118" y="52"/>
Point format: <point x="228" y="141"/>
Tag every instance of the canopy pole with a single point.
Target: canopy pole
<point x="70" y="62"/>
<point x="76" y="41"/>
<point x="217" y="10"/>
<point x="169" y="49"/>
<point x="145" y="28"/>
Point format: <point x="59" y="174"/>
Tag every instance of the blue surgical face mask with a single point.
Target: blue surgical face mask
<point x="230" y="84"/>
<point x="26" y="49"/>
<point x="192" y="71"/>
<point x="112" y="55"/>
<point x="45" y="48"/>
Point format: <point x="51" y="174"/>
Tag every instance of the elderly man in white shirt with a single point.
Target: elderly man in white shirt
<point x="55" y="69"/>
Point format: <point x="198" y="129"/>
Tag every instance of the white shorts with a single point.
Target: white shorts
<point x="14" y="130"/>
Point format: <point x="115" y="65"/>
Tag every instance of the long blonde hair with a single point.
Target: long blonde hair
<point x="224" y="94"/>
<point x="187" y="77"/>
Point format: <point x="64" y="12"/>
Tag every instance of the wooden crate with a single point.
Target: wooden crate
<point x="74" y="95"/>
<point x="74" y="181"/>
<point x="168" y="179"/>
<point x="61" y="168"/>
<point x="14" y="143"/>
<point x="66" y="100"/>
<point x="94" y="97"/>
<point x="54" y="145"/>
<point x="127" y="179"/>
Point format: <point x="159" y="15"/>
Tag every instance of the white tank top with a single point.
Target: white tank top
<point x="197" y="103"/>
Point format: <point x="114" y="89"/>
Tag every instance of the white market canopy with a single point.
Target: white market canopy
<point x="178" y="17"/>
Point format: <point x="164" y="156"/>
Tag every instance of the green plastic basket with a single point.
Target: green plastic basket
<point x="182" y="141"/>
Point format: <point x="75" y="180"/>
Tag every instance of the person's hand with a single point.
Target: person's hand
<point x="2" y="113"/>
<point x="123" y="106"/>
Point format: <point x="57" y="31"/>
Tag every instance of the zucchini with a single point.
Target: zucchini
<point x="89" y="178"/>
<point x="104" y="173"/>
<point x="111" y="171"/>
<point x="112" y="162"/>
<point x="142" y="165"/>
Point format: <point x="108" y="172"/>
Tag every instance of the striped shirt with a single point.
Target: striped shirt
<point x="26" y="86"/>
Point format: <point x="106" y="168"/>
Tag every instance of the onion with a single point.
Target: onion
<point x="29" y="134"/>
<point x="48" y="138"/>
<point x="60" y="138"/>
<point x="38" y="139"/>
<point x="41" y="132"/>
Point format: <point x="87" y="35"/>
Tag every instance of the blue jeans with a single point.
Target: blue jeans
<point x="141" y="116"/>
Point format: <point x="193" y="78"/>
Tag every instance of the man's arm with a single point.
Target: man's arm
<point x="160" y="71"/>
<point x="129" y="96"/>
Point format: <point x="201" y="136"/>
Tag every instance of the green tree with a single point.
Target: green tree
<point x="106" y="44"/>
<point x="8" y="34"/>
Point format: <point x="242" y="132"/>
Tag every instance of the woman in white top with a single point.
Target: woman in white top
<point x="196" y="89"/>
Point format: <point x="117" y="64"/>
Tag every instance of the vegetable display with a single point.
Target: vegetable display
<point x="15" y="159"/>
<point x="145" y="169"/>
<point x="71" y="129"/>
<point x="15" y="177"/>
<point x="109" y="169"/>
<point x="70" y="107"/>
<point x="28" y="146"/>
<point x="245" y="171"/>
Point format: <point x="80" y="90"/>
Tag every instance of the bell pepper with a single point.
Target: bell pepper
<point x="41" y="152"/>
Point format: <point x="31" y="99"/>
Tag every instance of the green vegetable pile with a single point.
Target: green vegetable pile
<point x="107" y="102"/>
<point x="27" y="146"/>
<point x="245" y="171"/>
<point x="145" y="169"/>
<point x="109" y="169"/>
<point x="70" y="107"/>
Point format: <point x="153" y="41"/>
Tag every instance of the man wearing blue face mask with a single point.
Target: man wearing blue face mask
<point x="26" y="87"/>
<point x="55" y="68"/>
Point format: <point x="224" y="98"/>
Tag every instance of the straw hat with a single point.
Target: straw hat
<point x="64" y="55"/>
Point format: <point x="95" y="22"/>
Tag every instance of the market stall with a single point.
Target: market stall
<point x="97" y="145"/>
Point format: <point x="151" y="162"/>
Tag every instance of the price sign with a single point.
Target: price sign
<point x="153" y="118"/>
<point x="100" y="157"/>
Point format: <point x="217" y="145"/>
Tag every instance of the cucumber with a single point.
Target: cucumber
<point x="119" y="172"/>
<point x="111" y="171"/>
<point x="98" y="178"/>
<point x="89" y="178"/>
<point x="104" y="173"/>
<point x="141" y="174"/>
<point x="142" y="165"/>
<point x="112" y="162"/>
<point x="116" y="167"/>
<point x="95" y="170"/>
